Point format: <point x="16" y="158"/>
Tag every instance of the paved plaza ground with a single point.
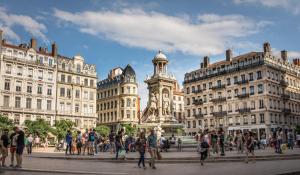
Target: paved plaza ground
<point x="49" y="162"/>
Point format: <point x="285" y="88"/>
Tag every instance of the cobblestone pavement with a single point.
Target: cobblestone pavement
<point x="92" y="167"/>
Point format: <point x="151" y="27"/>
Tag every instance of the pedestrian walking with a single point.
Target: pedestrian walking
<point x="214" y="142"/>
<point x="239" y="141"/>
<point x="4" y="146"/>
<point x="20" y="147"/>
<point x="249" y="146"/>
<point x="279" y="137"/>
<point x="37" y="142"/>
<point x="152" y="148"/>
<point x="203" y="148"/>
<point x="291" y="139"/>
<point x="85" y="142"/>
<point x="69" y="140"/>
<point x="29" y="144"/>
<point x="141" y="148"/>
<point x="79" y="142"/>
<point x="13" y="146"/>
<point x="120" y="144"/>
<point x="112" y="144"/>
<point x="221" y="136"/>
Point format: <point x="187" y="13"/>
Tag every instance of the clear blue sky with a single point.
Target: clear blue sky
<point x="116" y="33"/>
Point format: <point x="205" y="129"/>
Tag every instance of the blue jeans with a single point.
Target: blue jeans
<point x="142" y="158"/>
<point x="69" y="147"/>
<point x="117" y="152"/>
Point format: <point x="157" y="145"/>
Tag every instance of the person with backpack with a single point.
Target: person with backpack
<point x="78" y="142"/>
<point x="203" y="148"/>
<point x="141" y="148"/>
<point x="91" y="140"/>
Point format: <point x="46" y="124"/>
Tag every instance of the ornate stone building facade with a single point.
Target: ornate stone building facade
<point x="76" y="91"/>
<point x="117" y="98"/>
<point x="165" y="98"/>
<point x="28" y="82"/>
<point x="256" y="91"/>
<point x="30" y="79"/>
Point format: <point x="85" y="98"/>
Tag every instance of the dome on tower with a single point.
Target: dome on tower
<point x="160" y="57"/>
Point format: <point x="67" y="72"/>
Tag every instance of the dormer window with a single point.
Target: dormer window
<point x="78" y="68"/>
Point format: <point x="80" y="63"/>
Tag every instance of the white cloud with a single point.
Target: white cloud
<point x="9" y="20"/>
<point x="291" y="54"/>
<point x="289" y="5"/>
<point x="154" y="31"/>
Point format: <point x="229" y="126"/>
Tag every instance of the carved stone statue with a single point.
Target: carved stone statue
<point x="166" y="104"/>
<point x="152" y="105"/>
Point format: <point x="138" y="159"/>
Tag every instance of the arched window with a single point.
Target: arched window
<point x="128" y="102"/>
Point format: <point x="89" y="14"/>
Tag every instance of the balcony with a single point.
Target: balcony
<point x="242" y="82"/>
<point x="286" y="111"/>
<point x="245" y="95"/>
<point x="198" y="102"/>
<point x="218" y="87"/>
<point x="197" y="91"/>
<point x="285" y="97"/>
<point x="200" y="115"/>
<point x="218" y="100"/>
<point x="284" y="83"/>
<point x="219" y="114"/>
<point x="244" y="110"/>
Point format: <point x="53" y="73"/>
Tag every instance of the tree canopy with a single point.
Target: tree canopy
<point x="61" y="128"/>
<point x="129" y="130"/>
<point x="6" y="123"/>
<point x="103" y="130"/>
<point x="39" y="127"/>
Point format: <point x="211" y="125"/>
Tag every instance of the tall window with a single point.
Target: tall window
<point x="7" y="85"/>
<point x="39" y="103"/>
<point x="133" y="102"/>
<point x="49" y="90"/>
<point x="261" y="103"/>
<point x="63" y="78"/>
<point x="69" y="79"/>
<point x="20" y="70"/>
<point x="243" y="90"/>
<point x="49" y="105"/>
<point x="128" y="113"/>
<point x="91" y="96"/>
<point x="86" y="82"/>
<point x="6" y="101"/>
<point x="262" y="118"/>
<point x="77" y="93"/>
<point x="62" y="92"/>
<point x="228" y="82"/>
<point x="8" y="69"/>
<point x="19" y="86"/>
<point x="69" y="93"/>
<point x="18" y="102"/>
<point x="259" y="75"/>
<point x="40" y="89"/>
<point x="260" y="89"/>
<point x="250" y="76"/>
<point x="251" y="90"/>
<point x="30" y="72"/>
<point x="50" y="76"/>
<point x="77" y="80"/>
<point x="78" y="68"/>
<point x="128" y="102"/>
<point x="76" y="107"/>
<point x="128" y="89"/>
<point x="28" y="103"/>
<point x="40" y="74"/>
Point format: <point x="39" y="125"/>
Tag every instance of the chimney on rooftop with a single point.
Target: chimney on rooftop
<point x="228" y="55"/>
<point x="267" y="47"/>
<point x="33" y="43"/>
<point x="205" y="61"/>
<point x="54" y="50"/>
<point x="201" y="65"/>
<point x="284" y="55"/>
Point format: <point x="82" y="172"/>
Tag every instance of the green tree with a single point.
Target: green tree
<point x="179" y="131"/>
<point x="129" y="129"/>
<point x="6" y="123"/>
<point x="61" y="128"/>
<point x="40" y="127"/>
<point x="102" y="130"/>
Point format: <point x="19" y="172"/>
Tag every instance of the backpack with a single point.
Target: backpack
<point x="92" y="137"/>
<point x="204" y="144"/>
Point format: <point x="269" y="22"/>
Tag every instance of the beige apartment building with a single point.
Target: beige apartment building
<point x="76" y="91"/>
<point x="117" y="98"/>
<point x="178" y="104"/>
<point x="30" y="78"/>
<point x="27" y="81"/>
<point x="255" y="91"/>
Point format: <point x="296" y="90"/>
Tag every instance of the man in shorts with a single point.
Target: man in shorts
<point x="91" y="141"/>
<point x="13" y="146"/>
<point x="20" y="147"/>
<point x="4" y="146"/>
